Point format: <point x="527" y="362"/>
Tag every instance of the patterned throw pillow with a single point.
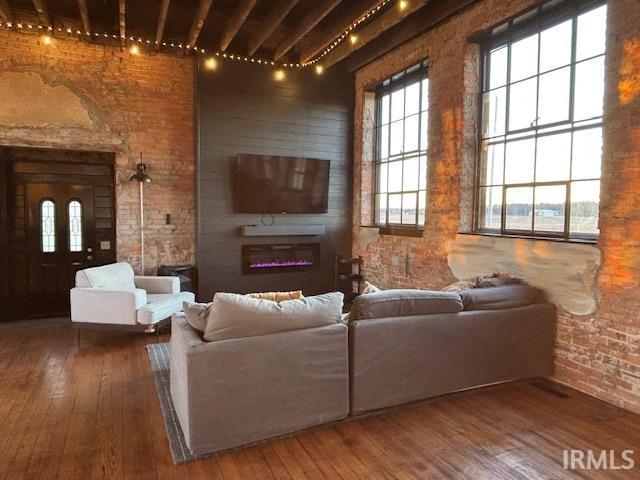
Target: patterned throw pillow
<point x="277" y="296"/>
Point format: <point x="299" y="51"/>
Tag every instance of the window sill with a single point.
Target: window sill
<point x="586" y="241"/>
<point x="401" y="231"/>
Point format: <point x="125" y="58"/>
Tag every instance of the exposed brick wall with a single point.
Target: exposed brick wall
<point x="136" y="104"/>
<point x="598" y="354"/>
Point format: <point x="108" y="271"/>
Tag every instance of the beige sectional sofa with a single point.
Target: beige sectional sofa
<point x="399" y="346"/>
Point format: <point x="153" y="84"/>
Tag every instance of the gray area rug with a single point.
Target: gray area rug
<point x="159" y="358"/>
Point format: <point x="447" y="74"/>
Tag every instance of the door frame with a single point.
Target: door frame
<point x="9" y="155"/>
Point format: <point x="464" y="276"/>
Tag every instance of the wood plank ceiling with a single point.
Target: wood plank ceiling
<point x="293" y="31"/>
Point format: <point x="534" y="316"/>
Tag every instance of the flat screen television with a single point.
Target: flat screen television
<point x="269" y="184"/>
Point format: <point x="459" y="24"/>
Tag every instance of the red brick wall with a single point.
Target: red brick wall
<point x="136" y="104"/>
<point x="598" y="354"/>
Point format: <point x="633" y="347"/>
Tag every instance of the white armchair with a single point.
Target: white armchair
<point x="113" y="295"/>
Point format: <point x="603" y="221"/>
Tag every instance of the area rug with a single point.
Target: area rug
<point x="159" y="358"/>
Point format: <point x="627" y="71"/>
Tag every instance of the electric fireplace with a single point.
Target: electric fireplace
<point x="280" y="258"/>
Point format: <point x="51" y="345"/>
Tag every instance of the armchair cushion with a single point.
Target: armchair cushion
<point x="116" y="276"/>
<point x="162" y="305"/>
<point x="158" y="284"/>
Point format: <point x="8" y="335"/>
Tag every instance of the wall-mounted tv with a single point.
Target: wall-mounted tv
<point x="269" y="184"/>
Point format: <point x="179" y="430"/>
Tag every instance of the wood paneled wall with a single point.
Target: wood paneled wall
<point x="243" y="109"/>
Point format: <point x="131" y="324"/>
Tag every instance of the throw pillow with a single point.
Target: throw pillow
<point x="237" y="316"/>
<point x="277" y="296"/>
<point x="370" y="288"/>
<point x="196" y="314"/>
<point x="465" y="284"/>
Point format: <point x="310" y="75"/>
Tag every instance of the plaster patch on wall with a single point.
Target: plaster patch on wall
<point x="26" y="100"/>
<point x="366" y="236"/>
<point x="566" y="271"/>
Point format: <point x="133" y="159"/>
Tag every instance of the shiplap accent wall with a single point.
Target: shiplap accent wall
<point x="242" y="109"/>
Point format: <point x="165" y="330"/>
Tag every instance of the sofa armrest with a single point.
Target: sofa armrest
<point x="154" y="284"/>
<point x="101" y="305"/>
<point x="234" y="392"/>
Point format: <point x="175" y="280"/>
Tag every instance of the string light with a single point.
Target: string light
<point x="135" y="49"/>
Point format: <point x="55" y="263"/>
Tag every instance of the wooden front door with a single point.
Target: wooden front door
<point x="60" y="241"/>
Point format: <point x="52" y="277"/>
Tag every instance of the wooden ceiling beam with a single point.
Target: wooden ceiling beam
<point x="353" y="14"/>
<point x="198" y="21"/>
<point x="122" y="7"/>
<point x="321" y="10"/>
<point x="437" y="12"/>
<point x="84" y="14"/>
<point x="371" y="31"/>
<point x="43" y="13"/>
<point x="237" y="18"/>
<point x="269" y="24"/>
<point x="5" y="11"/>
<point x="162" y="22"/>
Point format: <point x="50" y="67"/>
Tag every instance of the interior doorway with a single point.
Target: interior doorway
<point x="58" y="216"/>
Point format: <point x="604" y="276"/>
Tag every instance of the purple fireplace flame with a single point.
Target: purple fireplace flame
<point x="276" y="264"/>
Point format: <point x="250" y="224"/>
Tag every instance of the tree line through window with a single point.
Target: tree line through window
<point x="541" y="138"/>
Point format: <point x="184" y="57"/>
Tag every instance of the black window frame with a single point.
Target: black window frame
<point x="517" y="28"/>
<point x="415" y="73"/>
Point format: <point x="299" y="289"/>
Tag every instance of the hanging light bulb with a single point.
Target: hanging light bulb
<point x="403" y="4"/>
<point x="134" y="50"/>
<point x="46" y="39"/>
<point x="353" y="38"/>
<point x="211" y="63"/>
<point x="319" y="69"/>
<point x="279" y="75"/>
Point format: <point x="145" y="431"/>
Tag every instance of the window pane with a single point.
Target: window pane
<point x="423" y="173"/>
<point x="422" y="207"/>
<point x="519" y="208"/>
<point x="382" y="178"/>
<point x="589" y="89"/>
<point x="412" y="98"/>
<point x="553" y="102"/>
<point x="493" y="112"/>
<point x="411" y="133"/>
<point x="522" y="104"/>
<point x="395" y="208"/>
<point x="425" y="95"/>
<point x="585" y="207"/>
<point x="553" y="159"/>
<point x="75" y="226"/>
<point x="395" y="176"/>
<point x="409" y="205"/>
<point x="397" y="138"/>
<point x="550" y="209"/>
<point x="498" y="67"/>
<point x="591" y="38"/>
<point x="384" y="142"/>
<point x="397" y="105"/>
<point x="411" y="176"/>
<point x="519" y="161"/>
<point x="490" y="208"/>
<point x="524" y="58"/>
<point x="492" y="166"/>
<point x="424" y="129"/>
<point x="48" y="226"/>
<point x="384" y="110"/>
<point x="555" y="46"/>
<point x="587" y="154"/>
<point x="381" y="209"/>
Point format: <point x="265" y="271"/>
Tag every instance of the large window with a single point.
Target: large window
<point x="541" y="150"/>
<point x="401" y="149"/>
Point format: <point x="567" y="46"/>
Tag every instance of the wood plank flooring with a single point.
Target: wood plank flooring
<point x="91" y="411"/>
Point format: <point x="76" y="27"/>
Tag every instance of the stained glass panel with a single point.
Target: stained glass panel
<point x="48" y="226"/>
<point x="75" y="226"/>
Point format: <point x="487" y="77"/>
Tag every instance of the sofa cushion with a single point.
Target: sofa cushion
<point x="403" y="303"/>
<point x="236" y="316"/>
<point x="162" y="305"/>
<point x="116" y="276"/>
<point x="497" y="298"/>
<point x="196" y="314"/>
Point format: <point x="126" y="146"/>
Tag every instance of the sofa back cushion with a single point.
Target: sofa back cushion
<point x="237" y="316"/>
<point x="116" y="276"/>
<point x="498" y="298"/>
<point x="402" y="303"/>
<point x="196" y="314"/>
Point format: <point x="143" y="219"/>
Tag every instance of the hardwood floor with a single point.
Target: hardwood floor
<point x="86" y="412"/>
